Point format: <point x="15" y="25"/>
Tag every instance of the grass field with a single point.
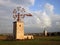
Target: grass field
<point x="36" y="41"/>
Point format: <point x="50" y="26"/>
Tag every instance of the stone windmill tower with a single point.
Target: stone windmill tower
<point x="18" y="24"/>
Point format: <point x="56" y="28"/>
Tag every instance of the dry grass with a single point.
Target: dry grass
<point x="36" y="41"/>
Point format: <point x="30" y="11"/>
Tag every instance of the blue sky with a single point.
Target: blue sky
<point x="46" y="14"/>
<point x="39" y="5"/>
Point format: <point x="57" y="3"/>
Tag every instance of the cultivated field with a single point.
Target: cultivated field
<point x="55" y="40"/>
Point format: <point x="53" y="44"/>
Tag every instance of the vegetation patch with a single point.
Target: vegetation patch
<point x="37" y="41"/>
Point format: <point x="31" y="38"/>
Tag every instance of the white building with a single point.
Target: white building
<point x="28" y="37"/>
<point x="45" y="32"/>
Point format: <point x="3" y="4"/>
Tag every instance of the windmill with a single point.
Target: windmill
<point x="18" y="26"/>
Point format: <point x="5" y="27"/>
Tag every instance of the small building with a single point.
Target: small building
<point x="28" y="37"/>
<point x="45" y="32"/>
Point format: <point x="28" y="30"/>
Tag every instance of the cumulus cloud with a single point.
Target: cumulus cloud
<point x="6" y="8"/>
<point x="55" y="18"/>
<point x="46" y="18"/>
<point x="40" y="19"/>
<point x="49" y="7"/>
<point x="58" y="24"/>
<point x="14" y="3"/>
<point x="24" y="2"/>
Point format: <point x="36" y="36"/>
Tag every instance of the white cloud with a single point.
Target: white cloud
<point x="24" y="2"/>
<point x="49" y="8"/>
<point x="15" y="3"/>
<point x="6" y="8"/>
<point x="32" y="2"/>
<point x="46" y="20"/>
<point x="57" y="23"/>
<point x="55" y="18"/>
<point x="40" y="19"/>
